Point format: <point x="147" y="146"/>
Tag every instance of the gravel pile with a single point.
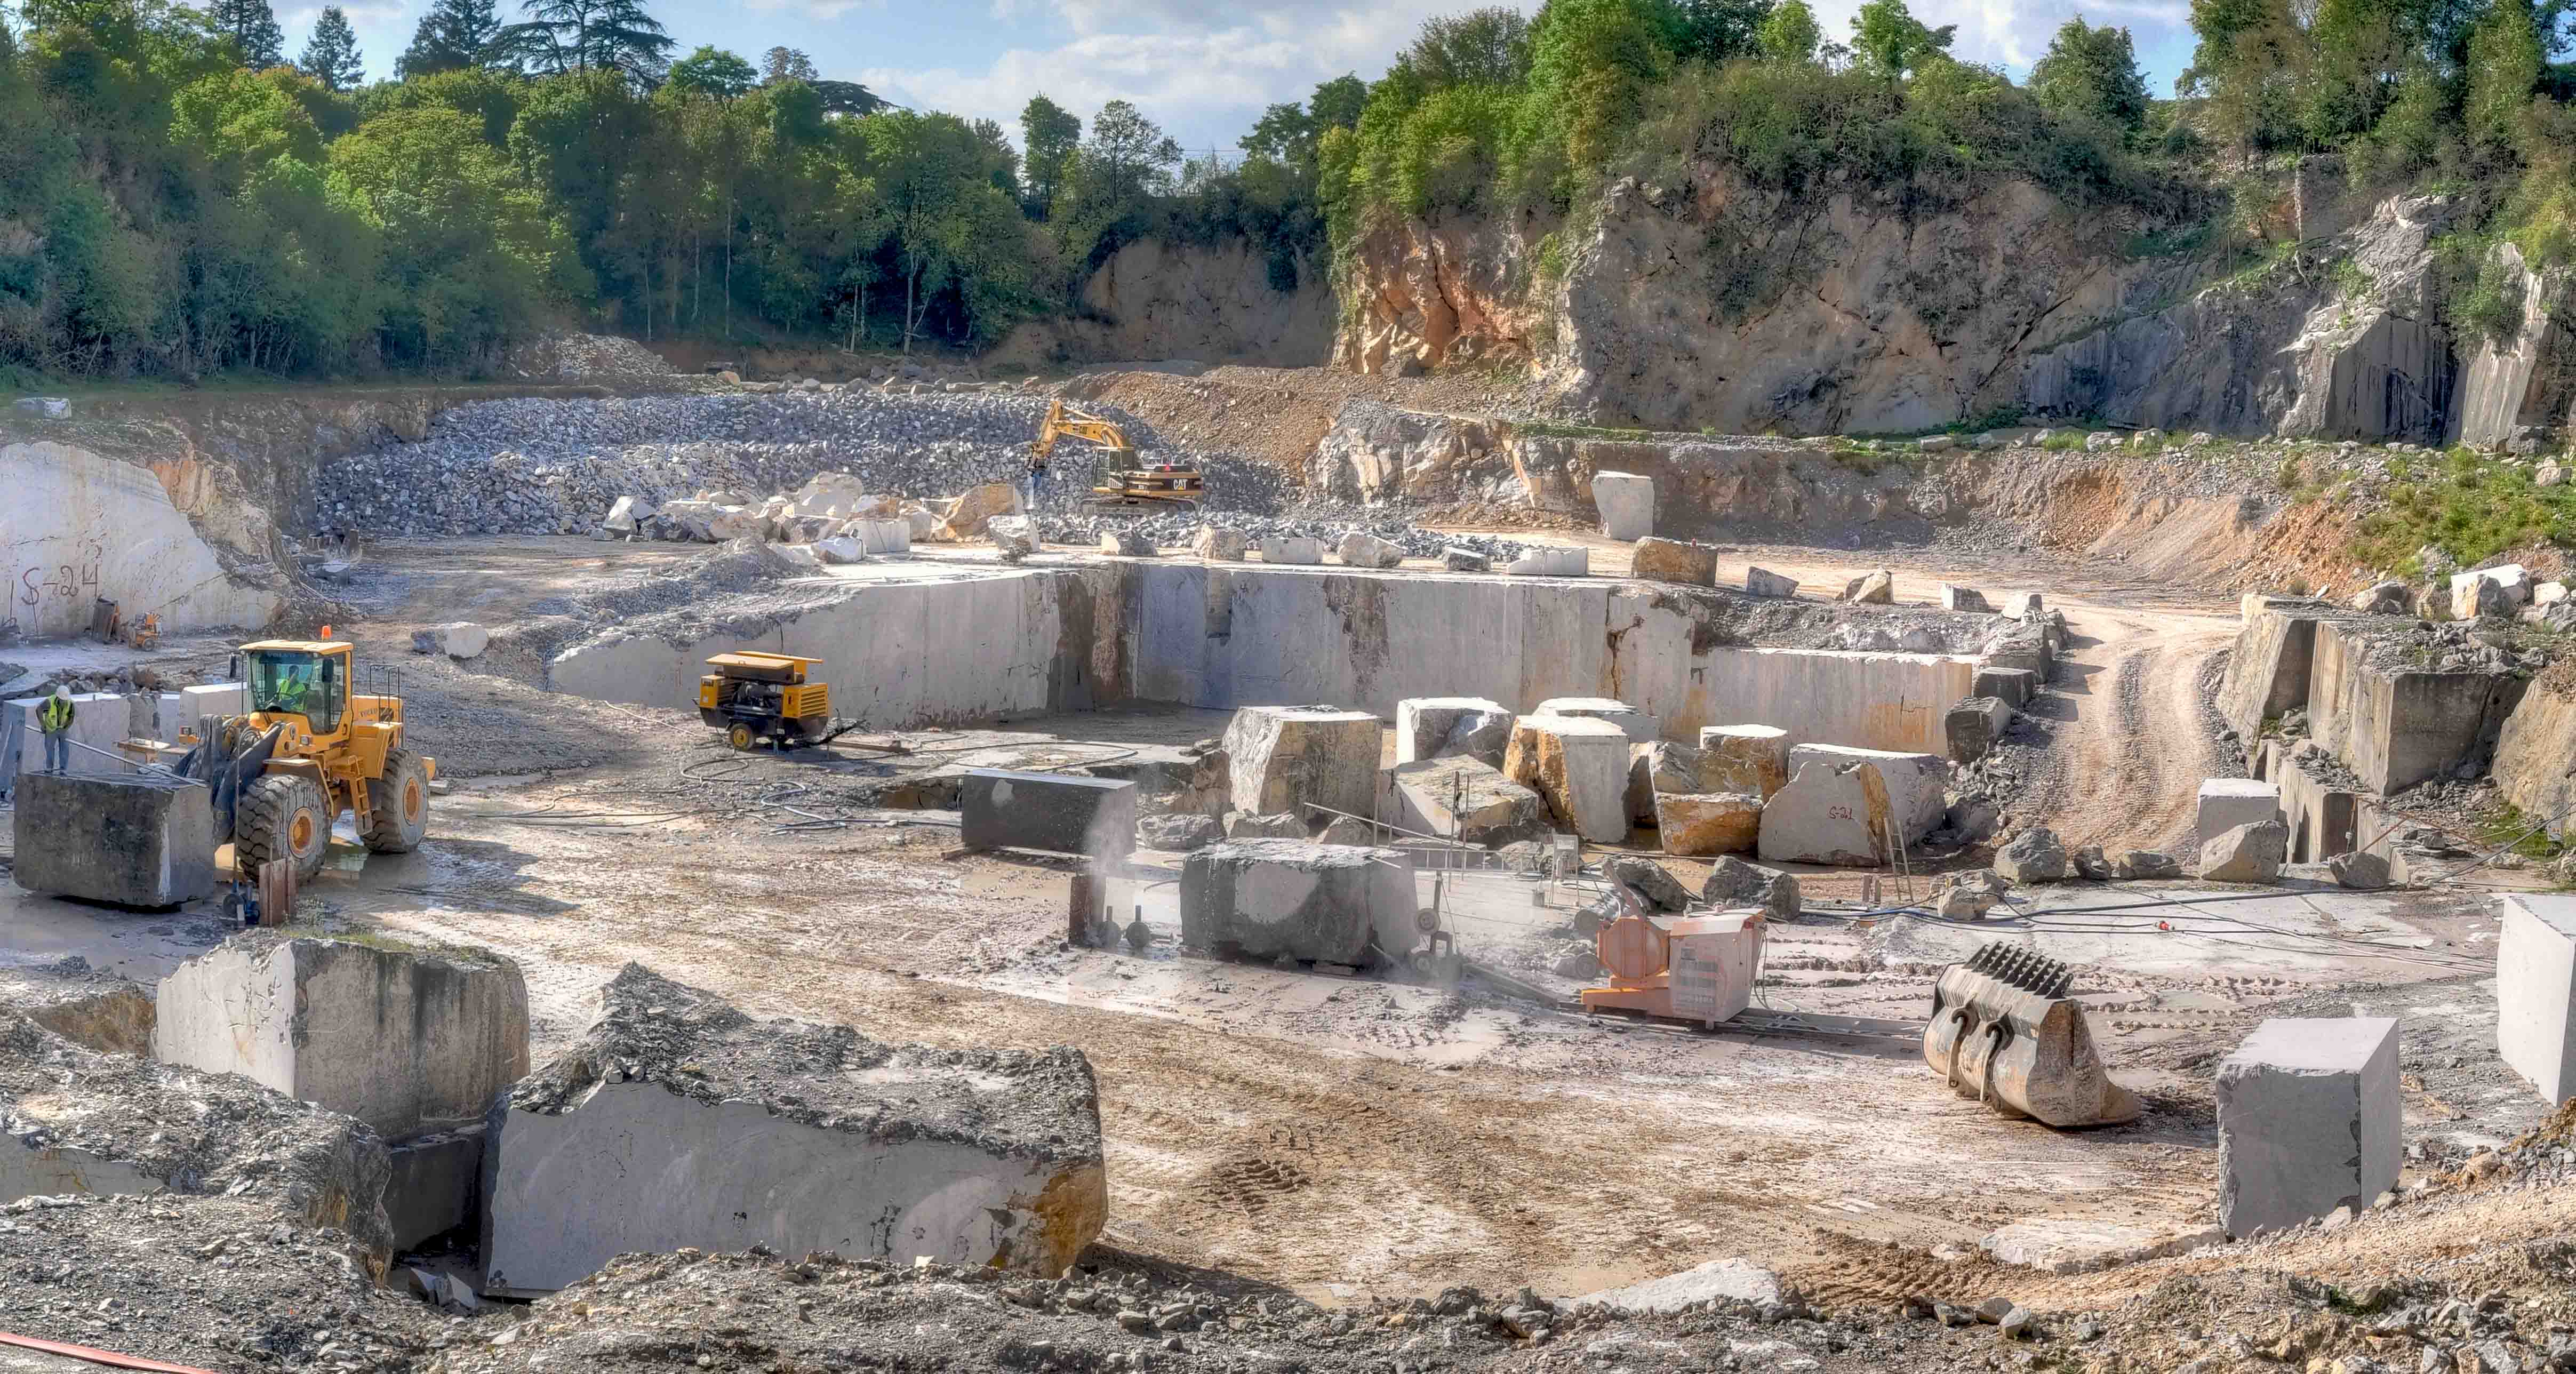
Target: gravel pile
<point x="547" y="466"/>
<point x="584" y="357"/>
<point x="1327" y="523"/>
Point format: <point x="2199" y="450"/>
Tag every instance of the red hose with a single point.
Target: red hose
<point x="106" y="1357"/>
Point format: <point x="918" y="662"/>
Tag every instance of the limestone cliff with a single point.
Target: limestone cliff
<point x="1724" y="308"/>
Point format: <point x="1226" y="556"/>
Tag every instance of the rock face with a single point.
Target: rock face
<point x="1285" y="758"/>
<point x="2527" y="379"/>
<point x="1701" y="825"/>
<point x="1580" y="765"/>
<point x="1462" y="798"/>
<point x="406" y="1041"/>
<point x="787" y="1134"/>
<point x="1670" y="560"/>
<point x="1268" y="899"/>
<point x="134" y="841"/>
<point x="2247" y="854"/>
<point x="1224" y="302"/>
<point x="1246" y="825"/>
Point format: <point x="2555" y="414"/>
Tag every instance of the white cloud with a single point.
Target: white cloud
<point x="820" y="11"/>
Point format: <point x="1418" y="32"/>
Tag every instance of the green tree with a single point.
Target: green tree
<point x="1717" y="30"/>
<point x="585" y="35"/>
<point x="1887" y="39"/>
<point x="1789" y="33"/>
<point x="1592" y="63"/>
<point x="2092" y="72"/>
<point x="331" y="56"/>
<point x="1127" y="158"/>
<point x="252" y="25"/>
<point x="713" y="71"/>
<point x="951" y="232"/>
<point x="1486" y="47"/>
<point x="1337" y="103"/>
<point x="787" y="64"/>
<point x="1050" y="134"/>
<point x="1284" y="133"/>
<point x="2505" y="61"/>
<point x="454" y="35"/>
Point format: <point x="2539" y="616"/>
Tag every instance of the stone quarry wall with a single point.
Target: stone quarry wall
<point x="76" y="526"/>
<point x="2528" y="378"/>
<point x="2535" y="748"/>
<point x="1222" y="636"/>
<point x="2392" y="724"/>
<point x="1714" y="306"/>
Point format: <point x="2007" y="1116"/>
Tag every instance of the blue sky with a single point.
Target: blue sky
<point x="1202" y="68"/>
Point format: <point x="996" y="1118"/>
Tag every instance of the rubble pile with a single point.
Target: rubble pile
<point x="541" y="466"/>
<point x="584" y="357"/>
<point x="1327" y="524"/>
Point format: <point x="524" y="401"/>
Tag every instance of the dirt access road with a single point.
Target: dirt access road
<point x="2128" y="740"/>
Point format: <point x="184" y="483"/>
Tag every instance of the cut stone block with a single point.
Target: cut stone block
<point x="1270" y="899"/>
<point x="1648" y="881"/>
<point x="1247" y="825"/>
<point x="1580" y="765"/>
<point x="1764" y="582"/>
<point x="2535" y="989"/>
<point x="1640" y="727"/>
<point x="82" y="1122"/>
<point x="1546" y="561"/>
<point x="1014" y="535"/>
<point x="1461" y="798"/>
<point x="2034" y="856"/>
<point x="1294" y="549"/>
<point x="1707" y="824"/>
<point x="677" y="1120"/>
<point x="2246" y="854"/>
<point x="1458" y="560"/>
<point x="2021" y="605"/>
<point x="1733" y="883"/>
<point x="435" y="1182"/>
<point x="1626" y="501"/>
<point x="1830" y="813"/>
<point x="1670" y="560"/>
<point x="1963" y="599"/>
<point x="99" y="720"/>
<point x="1126" y="544"/>
<point x="1220" y="544"/>
<point x="1744" y="758"/>
<point x="1916" y="783"/>
<point x="1425" y="727"/>
<point x="406" y="1041"/>
<point x="1975" y="726"/>
<point x="1360" y="549"/>
<point x="2012" y="686"/>
<point x="1286" y="758"/>
<point x="880" y="536"/>
<point x="2226" y="803"/>
<point x="458" y="639"/>
<point x="976" y="510"/>
<point x="1048" y="812"/>
<point x="1660" y="766"/>
<point x="140" y="840"/>
<point x="1178" y="832"/>
<point x="2510" y="591"/>
<point x="2309" y="1120"/>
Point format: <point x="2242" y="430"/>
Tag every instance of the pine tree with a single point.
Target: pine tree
<point x="579" y="35"/>
<point x="253" y="26"/>
<point x="332" y="56"/>
<point x="454" y="34"/>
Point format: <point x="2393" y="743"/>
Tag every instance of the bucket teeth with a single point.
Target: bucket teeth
<point x="2023" y="968"/>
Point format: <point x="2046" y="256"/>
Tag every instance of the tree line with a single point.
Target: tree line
<point x="178" y="200"/>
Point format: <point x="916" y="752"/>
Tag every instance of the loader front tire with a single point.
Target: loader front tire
<point x="281" y="816"/>
<point x="398" y="804"/>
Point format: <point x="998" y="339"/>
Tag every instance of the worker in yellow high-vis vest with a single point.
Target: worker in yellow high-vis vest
<point x="54" y="717"/>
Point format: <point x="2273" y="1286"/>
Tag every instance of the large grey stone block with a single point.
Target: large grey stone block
<point x="1640" y="727"/>
<point x="1293" y="898"/>
<point x="1287" y="758"/>
<point x="678" y="1120"/>
<point x="1580" y="765"/>
<point x="99" y="720"/>
<point x="1917" y="784"/>
<point x="2535" y="989"/>
<point x="1626" y="501"/>
<point x="1429" y="727"/>
<point x="2309" y="1120"/>
<point x="1461" y="799"/>
<point x="1050" y="812"/>
<point x="1752" y="759"/>
<point x="408" y="1041"/>
<point x="2226" y="803"/>
<point x="141" y="840"/>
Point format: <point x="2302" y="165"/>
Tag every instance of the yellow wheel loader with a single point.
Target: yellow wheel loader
<point x="310" y="747"/>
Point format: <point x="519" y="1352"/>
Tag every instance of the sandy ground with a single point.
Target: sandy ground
<point x="1371" y="1135"/>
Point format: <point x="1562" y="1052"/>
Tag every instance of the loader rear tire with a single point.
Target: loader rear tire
<point x="398" y="804"/>
<point x="281" y="816"/>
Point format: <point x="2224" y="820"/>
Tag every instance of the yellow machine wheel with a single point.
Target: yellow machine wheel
<point x="281" y="816"/>
<point x="741" y="737"/>
<point x="398" y="804"/>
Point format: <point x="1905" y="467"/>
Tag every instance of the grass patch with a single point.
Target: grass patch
<point x="1551" y="429"/>
<point x="2065" y="440"/>
<point x="2470" y="508"/>
<point x="2508" y="825"/>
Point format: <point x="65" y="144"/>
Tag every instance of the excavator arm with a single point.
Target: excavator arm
<point x="1063" y="422"/>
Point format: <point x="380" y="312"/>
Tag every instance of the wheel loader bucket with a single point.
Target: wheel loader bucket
<point x="2004" y="1032"/>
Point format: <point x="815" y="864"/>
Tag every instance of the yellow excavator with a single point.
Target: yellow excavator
<point x="1129" y="490"/>
<point x="310" y="747"/>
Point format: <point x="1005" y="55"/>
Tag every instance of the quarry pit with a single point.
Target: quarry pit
<point x="1346" y="1133"/>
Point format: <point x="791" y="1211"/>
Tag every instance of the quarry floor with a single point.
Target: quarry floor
<point x="1350" y="1136"/>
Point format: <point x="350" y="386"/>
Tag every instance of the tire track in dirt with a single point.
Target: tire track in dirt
<point x="2125" y="766"/>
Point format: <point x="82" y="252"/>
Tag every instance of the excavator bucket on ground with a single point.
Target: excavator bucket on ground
<point x="2004" y="1032"/>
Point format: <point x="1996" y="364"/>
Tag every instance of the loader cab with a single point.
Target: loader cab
<point x="299" y="678"/>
